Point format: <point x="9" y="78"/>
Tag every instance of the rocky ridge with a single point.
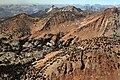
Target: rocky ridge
<point x="86" y="60"/>
<point x="83" y="24"/>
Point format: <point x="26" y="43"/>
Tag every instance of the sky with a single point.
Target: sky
<point x="104" y="2"/>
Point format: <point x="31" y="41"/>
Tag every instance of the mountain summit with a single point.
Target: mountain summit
<point x="53" y="8"/>
<point x="66" y="8"/>
<point x="71" y="8"/>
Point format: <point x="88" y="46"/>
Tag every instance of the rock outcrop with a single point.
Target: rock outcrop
<point x="90" y="59"/>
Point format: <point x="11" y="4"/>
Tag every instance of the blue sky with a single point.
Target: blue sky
<point x="109" y="2"/>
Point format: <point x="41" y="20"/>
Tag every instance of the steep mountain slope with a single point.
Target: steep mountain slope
<point x="11" y="28"/>
<point x="83" y="25"/>
<point x="105" y="23"/>
<point x="61" y="45"/>
<point x="58" y="22"/>
<point x="17" y="26"/>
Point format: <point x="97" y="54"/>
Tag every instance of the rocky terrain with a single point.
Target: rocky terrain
<point x="61" y="44"/>
<point x="90" y="59"/>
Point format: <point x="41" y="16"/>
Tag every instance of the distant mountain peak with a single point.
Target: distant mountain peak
<point x="53" y="8"/>
<point x="66" y="8"/>
<point x="71" y="8"/>
<point x="22" y="15"/>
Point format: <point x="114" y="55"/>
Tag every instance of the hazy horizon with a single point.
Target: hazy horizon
<point x="49" y="2"/>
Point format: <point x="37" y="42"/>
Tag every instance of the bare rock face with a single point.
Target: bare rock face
<point x="90" y="59"/>
<point x="93" y="59"/>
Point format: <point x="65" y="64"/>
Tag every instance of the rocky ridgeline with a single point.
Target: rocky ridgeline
<point x="90" y="59"/>
<point x="82" y="24"/>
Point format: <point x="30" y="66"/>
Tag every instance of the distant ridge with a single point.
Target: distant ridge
<point x="82" y="24"/>
<point x="7" y="11"/>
